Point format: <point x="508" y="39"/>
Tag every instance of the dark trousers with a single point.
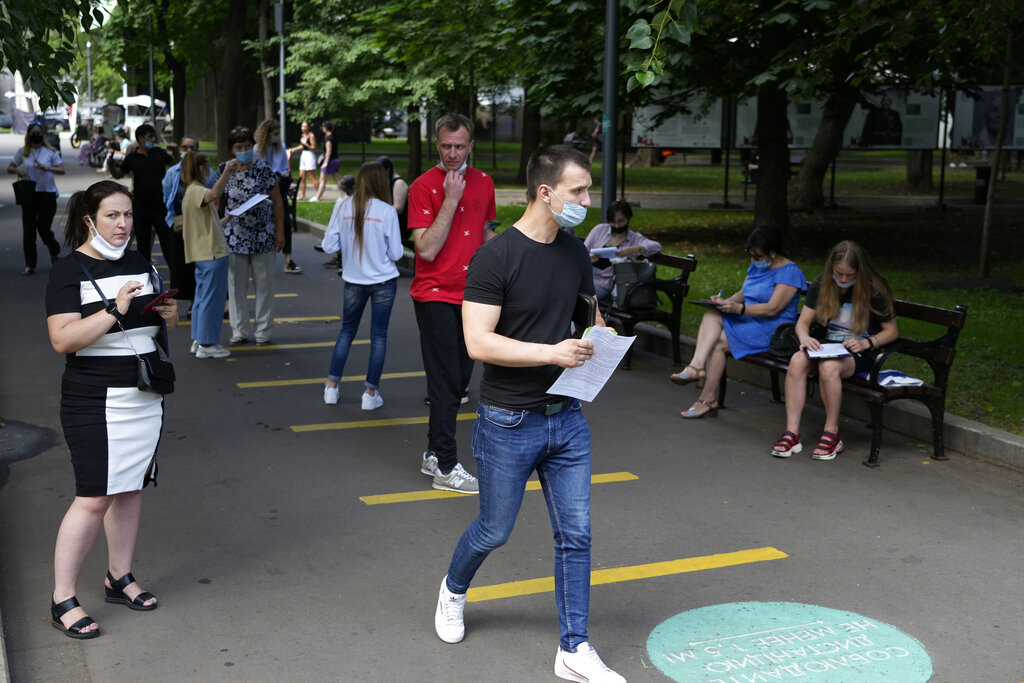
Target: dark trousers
<point x="448" y="368"/>
<point x="283" y="183"/>
<point x="37" y="219"/>
<point x="151" y="219"/>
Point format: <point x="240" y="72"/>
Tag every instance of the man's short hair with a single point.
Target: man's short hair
<point x="143" y="130"/>
<point x="547" y="165"/>
<point x="452" y="123"/>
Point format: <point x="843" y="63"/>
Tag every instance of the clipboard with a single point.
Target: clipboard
<point x="706" y="303"/>
<point x="584" y="314"/>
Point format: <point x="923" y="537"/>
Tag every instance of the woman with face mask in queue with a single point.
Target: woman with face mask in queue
<point x="854" y="303"/>
<point x="270" y="148"/>
<point x="615" y="233"/>
<point x="743" y="323"/>
<point x="39" y="162"/>
<point x="206" y="246"/>
<point x="111" y="427"/>
<point x="253" y="238"/>
<point x="364" y="228"/>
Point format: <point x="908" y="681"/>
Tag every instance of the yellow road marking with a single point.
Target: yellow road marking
<point x="433" y="494"/>
<point x="633" y="573"/>
<point x="315" y="318"/>
<point x="306" y="345"/>
<point x="359" y="424"/>
<point x="320" y="380"/>
<point x="276" y="296"/>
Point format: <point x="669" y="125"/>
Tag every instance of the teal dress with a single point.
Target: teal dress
<point x="747" y="334"/>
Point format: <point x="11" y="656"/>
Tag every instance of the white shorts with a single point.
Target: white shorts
<point x="307" y="160"/>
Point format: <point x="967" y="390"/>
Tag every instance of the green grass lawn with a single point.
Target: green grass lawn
<point x="925" y="255"/>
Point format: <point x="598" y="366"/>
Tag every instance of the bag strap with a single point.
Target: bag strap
<point x="106" y="303"/>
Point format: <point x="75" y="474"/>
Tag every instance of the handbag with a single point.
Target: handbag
<point x="629" y="295"/>
<point x="154" y="374"/>
<point x="24" y="191"/>
<point x="784" y="342"/>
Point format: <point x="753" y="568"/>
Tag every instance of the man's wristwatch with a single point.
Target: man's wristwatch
<point x="112" y="310"/>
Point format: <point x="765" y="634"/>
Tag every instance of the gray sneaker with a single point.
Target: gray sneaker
<point x="458" y="481"/>
<point x="429" y="465"/>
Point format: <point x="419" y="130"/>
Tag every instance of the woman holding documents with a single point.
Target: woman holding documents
<point x="854" y="304"/>
<point x="743" y="323"/>
<point x="254" y="232"/>
<point x="614" y="239"/>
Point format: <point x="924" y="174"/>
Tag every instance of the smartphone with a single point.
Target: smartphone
<point x="158" y="300"/>
<point x="584" y="314"/>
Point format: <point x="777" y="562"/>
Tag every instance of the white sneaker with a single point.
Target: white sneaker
<point x="214" y="351"/>
<point x="195" y="346"/>
<point x="448" y="616"/>
<point x="429" y="464"/>
<point x="331" y="394"/>
<point x="458" y="480"/>
<point x="584" y="665"/>
<point x="372" y="402"/>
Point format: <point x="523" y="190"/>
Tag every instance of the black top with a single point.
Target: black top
<point x="536" y="286"/>
<point x="147" y="174"/>
<point x="840" y="328"/>
<point x="109" y="361"/>
<point x="334" y="147"/>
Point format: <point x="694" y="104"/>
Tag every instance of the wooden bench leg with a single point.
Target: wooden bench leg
<point x="938" y="411"/>
<point x="721" y="389"/>
<point x="776" y="391"/>
<point x="876" y="433"/>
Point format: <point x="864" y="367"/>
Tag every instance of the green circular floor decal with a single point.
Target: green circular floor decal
<point x="762" y="642"/>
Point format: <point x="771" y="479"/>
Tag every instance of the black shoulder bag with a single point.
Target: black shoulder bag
<point x="155" y="374"/>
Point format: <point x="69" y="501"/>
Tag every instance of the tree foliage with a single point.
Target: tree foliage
<point x="38" y="40"/>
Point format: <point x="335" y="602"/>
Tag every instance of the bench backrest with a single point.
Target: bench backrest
<point x="687" y="264"/>
<point x="941" y="351"/>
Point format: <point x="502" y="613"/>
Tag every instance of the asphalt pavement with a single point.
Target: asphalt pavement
<point x="290" y="540"/>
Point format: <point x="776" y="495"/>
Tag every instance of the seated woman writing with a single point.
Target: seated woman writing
<point x="743" y="323"/>
<point x="855" y="304"/>
<point x="615" y="233"/>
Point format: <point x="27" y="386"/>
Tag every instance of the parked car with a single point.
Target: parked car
<point x="6" y="120"/>
<point x="55" y="120"/>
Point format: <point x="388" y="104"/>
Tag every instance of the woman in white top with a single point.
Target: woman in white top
<point x="365" y="231"/>
<point x="307" y="159"/>
<point x="38" y="161"/>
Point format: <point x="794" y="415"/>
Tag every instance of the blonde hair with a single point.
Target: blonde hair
<point x="263" y="133"/>
<point x="28" y="145"/>
<point x="868" y="284"/>
<point x="372" y="182"/>
<point x="192" y="166"/>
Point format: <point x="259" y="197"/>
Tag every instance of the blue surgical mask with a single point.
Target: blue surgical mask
<point x="760" y="265"/>
<point x="244" y="157"/>
<point x="275" y="139"/>
<point x="149" y="145"/>
<point x="572" y="214"/>
<point x="843" y="285"/>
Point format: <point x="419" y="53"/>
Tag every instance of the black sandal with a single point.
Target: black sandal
<point x="77" y="629"/>
<point x="116" y="594"/>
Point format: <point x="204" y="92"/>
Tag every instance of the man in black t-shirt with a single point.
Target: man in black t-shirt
<point x="147" y="165"/>
<point x="521" y="289"/>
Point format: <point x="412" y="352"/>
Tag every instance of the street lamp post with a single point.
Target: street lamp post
<point x="88" y="66"/>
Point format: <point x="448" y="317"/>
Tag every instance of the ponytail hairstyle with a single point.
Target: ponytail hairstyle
<point x="87" y="203"/>
<point x="869" y="283"/>
<point x="372" y="182"/>
<point x="192" y="166"/>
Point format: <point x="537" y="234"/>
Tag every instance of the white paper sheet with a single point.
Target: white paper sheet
<point x="242" y="208"/>
<point x="586" y="381"/>
<point x="829" y="351"/>
<point x="605" y="252"/>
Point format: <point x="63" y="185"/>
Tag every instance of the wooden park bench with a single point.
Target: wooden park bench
<point x="671" y="294"/>
<point x="938" y="353"/>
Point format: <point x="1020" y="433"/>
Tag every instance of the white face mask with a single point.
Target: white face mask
<point x="103" y="247"/>
<point x="462" y="169"/>
<point x="843" y="285"/>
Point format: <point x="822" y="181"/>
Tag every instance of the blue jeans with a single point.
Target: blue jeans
<point x="208" y="306"/>
<point x="382" y="298"/>
<point x="508" y="446"/>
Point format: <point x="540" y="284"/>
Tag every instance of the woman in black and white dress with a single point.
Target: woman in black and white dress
<point x="111" y="427"/>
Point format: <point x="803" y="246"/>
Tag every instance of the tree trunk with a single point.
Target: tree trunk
<point x="229" y="75"/>
<point x="645" y="157"/>
<point x="412" y="136"/>
<point x="531" y="135"/>
<point x="770" y="203"/>
<point x="990" y="199"/>
<point x="264" y="35"/>
<point x="919" y="171"/>
<point x="827" y="141"/>
<point x="179" y="73"/>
